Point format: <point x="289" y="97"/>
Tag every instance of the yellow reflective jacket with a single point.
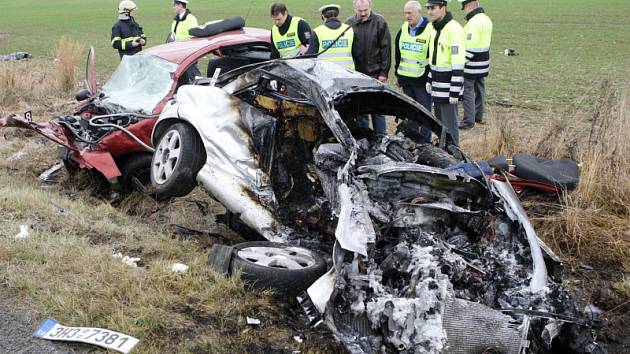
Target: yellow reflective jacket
<point x="340" y="51"/>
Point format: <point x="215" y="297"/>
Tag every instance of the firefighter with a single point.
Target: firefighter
<point x="334" y="40"/>
<point x="412" y="58"/>
<point x="478" y="31"/>
<point x="127" y="35"/>
<point x="290" y="35"/>
<point x="446" y="58"/>
<point x="183" y="21"/>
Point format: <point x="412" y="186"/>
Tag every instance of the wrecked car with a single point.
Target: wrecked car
<point x="110" y="130"/>
<point x="396" y="251"/>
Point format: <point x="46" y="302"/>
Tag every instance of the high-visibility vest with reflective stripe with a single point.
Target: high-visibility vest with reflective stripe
<point x="288" y="45"/>
<point x="478" y="32"/>
<point x="340" y="51"/>
<point x="414" y="51"/>
<point x="181" y="32"/>
<point x="447" y="58"/>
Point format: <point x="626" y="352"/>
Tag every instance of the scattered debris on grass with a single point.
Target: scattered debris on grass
<point x="510" y="52"/>
<point x="130" y="261"/>
<point x="179" y="268"/>
<point x="50" y="174"/>
<point x="16" y="56"/>
<point x="253" y="321"/>
<point x="23" y="234"/>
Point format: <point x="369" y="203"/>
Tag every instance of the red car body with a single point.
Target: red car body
<point x="116" y="145"/>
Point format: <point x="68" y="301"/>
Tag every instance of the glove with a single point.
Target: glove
<point x="453" y="100"/>
<point x="428" y="86"/>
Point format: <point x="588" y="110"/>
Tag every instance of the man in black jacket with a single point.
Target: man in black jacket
<point x="373" y="53"/>
<point x="127" y="35"/>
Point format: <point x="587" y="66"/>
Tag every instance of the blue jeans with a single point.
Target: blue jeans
<point x="378" y="123"/>
<point x="419" y="93"/>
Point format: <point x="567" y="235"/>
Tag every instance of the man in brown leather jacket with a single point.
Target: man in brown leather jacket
<point x="373" y="52"/>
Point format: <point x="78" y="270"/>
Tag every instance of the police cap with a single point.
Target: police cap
<point x="325" y="8"/>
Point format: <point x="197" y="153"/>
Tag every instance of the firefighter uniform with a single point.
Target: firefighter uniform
<point x="412" y="65"/>
<point x="124" y="33"/>
<point x="288" y="44"/>
<point x="478" y="31"/>
<point x="447" y="58"/>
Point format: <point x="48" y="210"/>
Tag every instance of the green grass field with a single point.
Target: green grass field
<point x="564" y="46"/>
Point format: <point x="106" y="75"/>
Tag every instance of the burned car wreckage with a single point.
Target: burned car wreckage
<point x="420" y="257"/>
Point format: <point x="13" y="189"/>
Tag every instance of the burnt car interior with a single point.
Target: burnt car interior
<point x="288" y="139"/>
<point x="233" y="57"/>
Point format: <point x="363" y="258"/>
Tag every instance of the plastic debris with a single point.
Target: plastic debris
<point x="298" y="339"/>
<point x="23" y="234"/>
<point x="503" y="102"/>
<point x="510" y="52"/>
<point x="130" y="261"/>
<point x="253" y="321"/>
<point x="179" y="268"/>
<point x="16" y="56"/>
<point x="49" y="174"/>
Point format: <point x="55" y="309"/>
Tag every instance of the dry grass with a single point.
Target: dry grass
<point x="65" y="268"/>
<point x="26" y="82"/>
<point x="68" y="54"/>
<point x="592" y="224"/>
<point x="41" y="86"/>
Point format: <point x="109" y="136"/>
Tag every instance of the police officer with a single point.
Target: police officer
<point x="291" y="36"/>
<point x="127" y="35"/>
<point x="447" y="59"/>
<point x="412" y="58"/>
<point x="183" y="21"/>
<point x="334" y="40"/>
<point x="478" y="31"/>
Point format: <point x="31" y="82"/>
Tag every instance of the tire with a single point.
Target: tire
<point x="178" y="157"/>
<point x="135" y="172"/>
<point x="270" y="265"/>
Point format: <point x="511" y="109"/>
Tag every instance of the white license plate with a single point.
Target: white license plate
<point x="105" y="338"/>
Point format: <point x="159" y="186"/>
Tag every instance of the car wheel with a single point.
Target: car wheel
<point x="269" y="265"/>
<point x="178" y="156"/>
<point x="135" y="172"/>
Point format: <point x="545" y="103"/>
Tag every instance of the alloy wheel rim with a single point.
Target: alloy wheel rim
<point x="166" y="157"/>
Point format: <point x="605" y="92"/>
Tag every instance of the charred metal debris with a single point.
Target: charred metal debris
<point x="424" y="259"/>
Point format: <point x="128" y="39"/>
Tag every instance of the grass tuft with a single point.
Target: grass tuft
<point x="67" y="56"/>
